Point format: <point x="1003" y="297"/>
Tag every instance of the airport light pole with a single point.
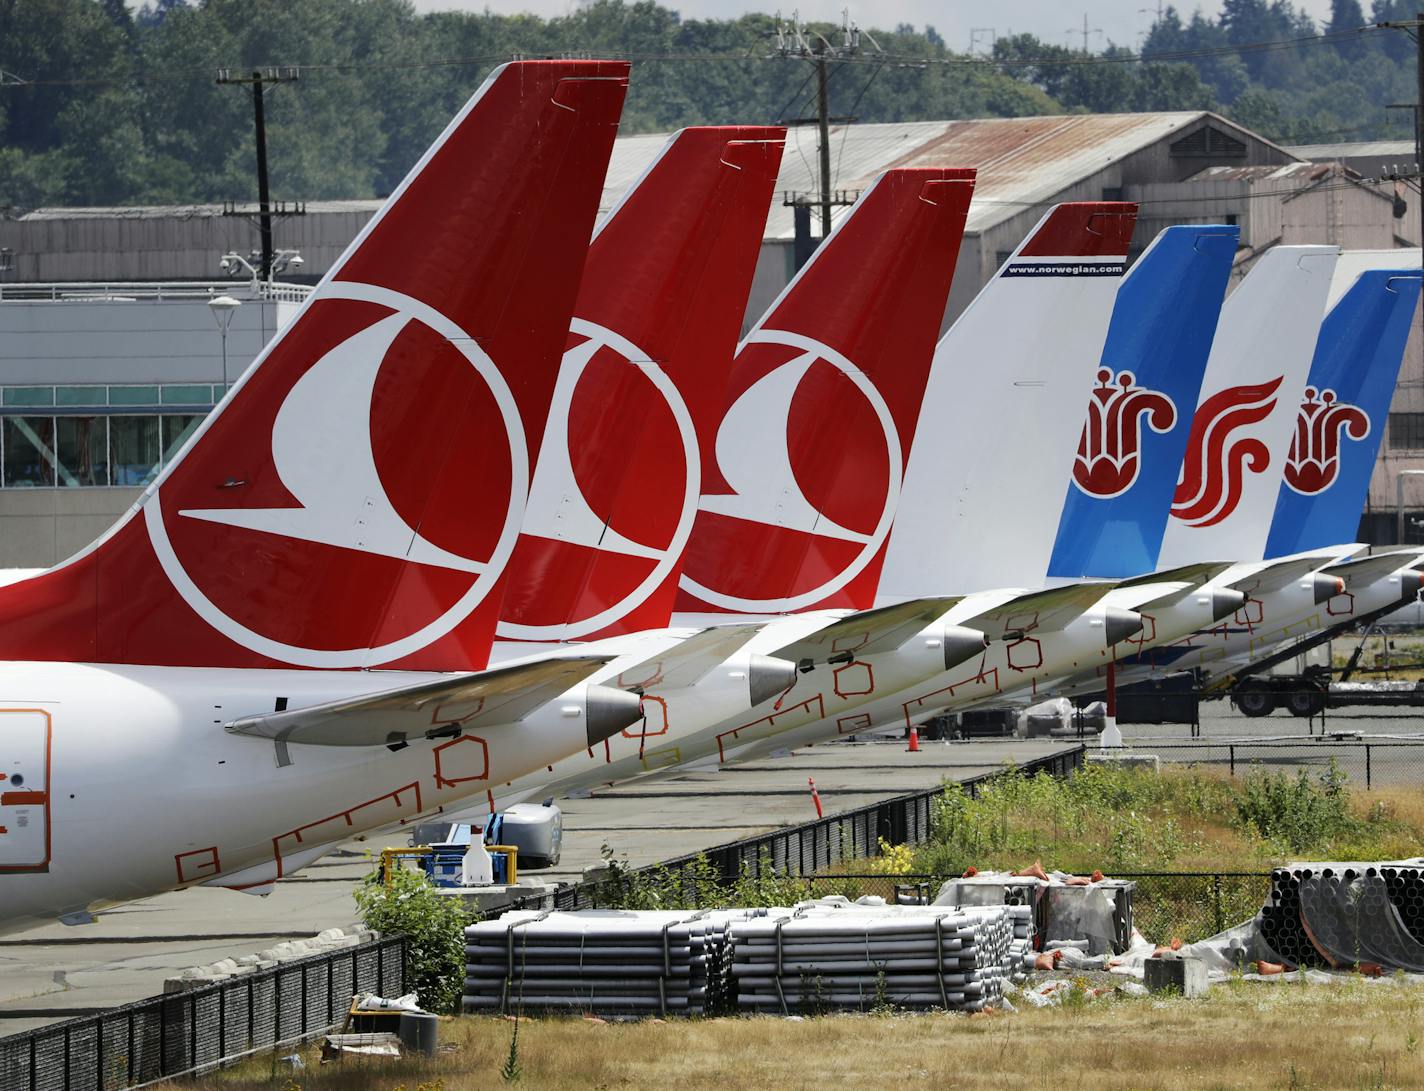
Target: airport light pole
<point x="222" y="308"/>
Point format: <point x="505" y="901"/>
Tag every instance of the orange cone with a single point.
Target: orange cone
<point x="914" y="746"/>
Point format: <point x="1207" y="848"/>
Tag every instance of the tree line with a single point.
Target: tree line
<point x="103" y="105"/>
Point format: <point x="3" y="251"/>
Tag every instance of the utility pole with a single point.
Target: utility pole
<point x="1413" y="27"/>
<point x="792" y="41"/>
<point x="823" y="114"/>
<point x="259" y="80"/>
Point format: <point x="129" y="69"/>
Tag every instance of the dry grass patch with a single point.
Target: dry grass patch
<point x="1357" y="1035"/>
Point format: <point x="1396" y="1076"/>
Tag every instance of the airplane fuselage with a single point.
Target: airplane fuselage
<point x="120" y="782"/>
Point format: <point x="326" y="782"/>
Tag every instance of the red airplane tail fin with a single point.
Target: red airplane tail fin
<point x="644" y="376"/>
<point x="800" y="492"/>
<point x="355" y="498"/>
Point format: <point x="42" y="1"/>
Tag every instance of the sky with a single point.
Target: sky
<point x="1119" y="21"/>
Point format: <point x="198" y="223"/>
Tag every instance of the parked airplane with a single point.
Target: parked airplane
<point x="874" y="292"/>
<point x="1155" y="353"/>
<point x="1064" y="275"/>
<point x="182" y="702"/>
<point x="1322" y="472"/>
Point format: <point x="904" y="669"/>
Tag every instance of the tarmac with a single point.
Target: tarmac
<point x="60" y="971"/>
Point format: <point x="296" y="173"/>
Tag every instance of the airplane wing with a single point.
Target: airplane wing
<point x="1361" y="573"/>
<point x="1039" y="611"/>
<point x="502" y="695"/>
<point x="689" y="661"/>
<point x="868" y="632"/>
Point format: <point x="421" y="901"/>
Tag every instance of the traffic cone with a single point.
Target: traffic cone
<point x="815" y="796"/>
<point x="914" y="746"/>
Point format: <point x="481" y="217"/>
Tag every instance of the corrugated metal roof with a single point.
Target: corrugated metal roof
<point x="1022" y="162"/>
<point x="1387" y="150"/>
<point x="1308" y="172"/>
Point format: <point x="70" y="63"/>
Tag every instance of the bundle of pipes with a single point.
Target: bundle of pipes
<point x="860" y="958"/>
<point x="1347" y="915"/>
<point x="602" y="961"/>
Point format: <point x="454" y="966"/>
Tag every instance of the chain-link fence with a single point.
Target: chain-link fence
<point x="166" y="1036"/>
<point x="1369" y="765"/>
<point x="1190" y="905"/>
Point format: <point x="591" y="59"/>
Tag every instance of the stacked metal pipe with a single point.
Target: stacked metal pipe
<point x="601" y="961"/>
<point x="854" y="958"/>
<point x="1346" y="914"/>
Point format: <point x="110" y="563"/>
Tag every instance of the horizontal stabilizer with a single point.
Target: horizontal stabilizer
<point x="503" y="695"/>
<point x="1361" y="573"/>
<point x="868" y="632"/>
<point x="1039" y="611"/>
<point x="691" y="660"/>
<point x="1184" y="580"/>
<point x="1194" y="574"/>
<point x="1278" y="574"/>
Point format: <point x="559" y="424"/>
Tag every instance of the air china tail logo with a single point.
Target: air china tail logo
<point x="1324" y="421"/>
<point x="1109" y="451"/>
<point x="348" y="495"/>
<point x="1219" y="457"/>
<point x="571" y="506"/>
<point x="811" y="462"/>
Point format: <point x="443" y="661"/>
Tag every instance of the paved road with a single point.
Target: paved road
<point x="126" y="954"/>
<point x="1393" y="758"/>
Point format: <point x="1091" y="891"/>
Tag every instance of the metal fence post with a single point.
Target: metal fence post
<point x="1367" y="767"/>
<point x="1232" y="752"/>
<point x="1216" y="902"/>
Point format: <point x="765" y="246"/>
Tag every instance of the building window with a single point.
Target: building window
<point x="176" y="430"/>
<point x="28" y="395"/>
<point x="83" y="446"/>
<point x="28" y="444"/>
<point x="134" y="450"/>
<point x="133" y="395"/>
<point x="1406" y="430"/>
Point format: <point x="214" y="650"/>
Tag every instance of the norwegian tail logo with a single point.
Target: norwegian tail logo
<point x="616" y="490"/>
<point x="1218" y="459"/>
<point x="801" y="483"/>
<point x="354" y="500"/>
<point x="1109" y="452"/>
<point x="1324" y="421"/>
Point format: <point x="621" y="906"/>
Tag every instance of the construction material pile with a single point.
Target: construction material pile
<point x="1344" y="915"/>
<point x="824" y="958"/>
<point x="601" y="961"/>
<point x="1053" y="908"/>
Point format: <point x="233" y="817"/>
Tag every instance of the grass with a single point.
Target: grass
<point x="1181" y="819"/>
<point x="1361" y="1035"/>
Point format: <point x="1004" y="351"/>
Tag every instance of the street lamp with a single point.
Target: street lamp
<point x="222" y="307"/>
<point x="1399" y="501"/>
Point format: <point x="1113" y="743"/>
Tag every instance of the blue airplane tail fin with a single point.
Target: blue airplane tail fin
<point x="1342" y="417"/>
<point x="1139" y="414"/>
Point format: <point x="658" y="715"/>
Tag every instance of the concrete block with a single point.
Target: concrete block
<point x="1184" y="976"/>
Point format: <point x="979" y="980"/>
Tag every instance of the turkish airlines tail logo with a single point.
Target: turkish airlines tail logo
<point x="1109" y="452"/>
<point x="1314" y="459"/>
<point x="1218" y="458"/>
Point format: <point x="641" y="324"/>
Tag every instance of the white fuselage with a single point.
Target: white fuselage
<point x="128" y="784"/>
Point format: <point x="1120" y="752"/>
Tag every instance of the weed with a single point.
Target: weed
<point x="434" y="928"/>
